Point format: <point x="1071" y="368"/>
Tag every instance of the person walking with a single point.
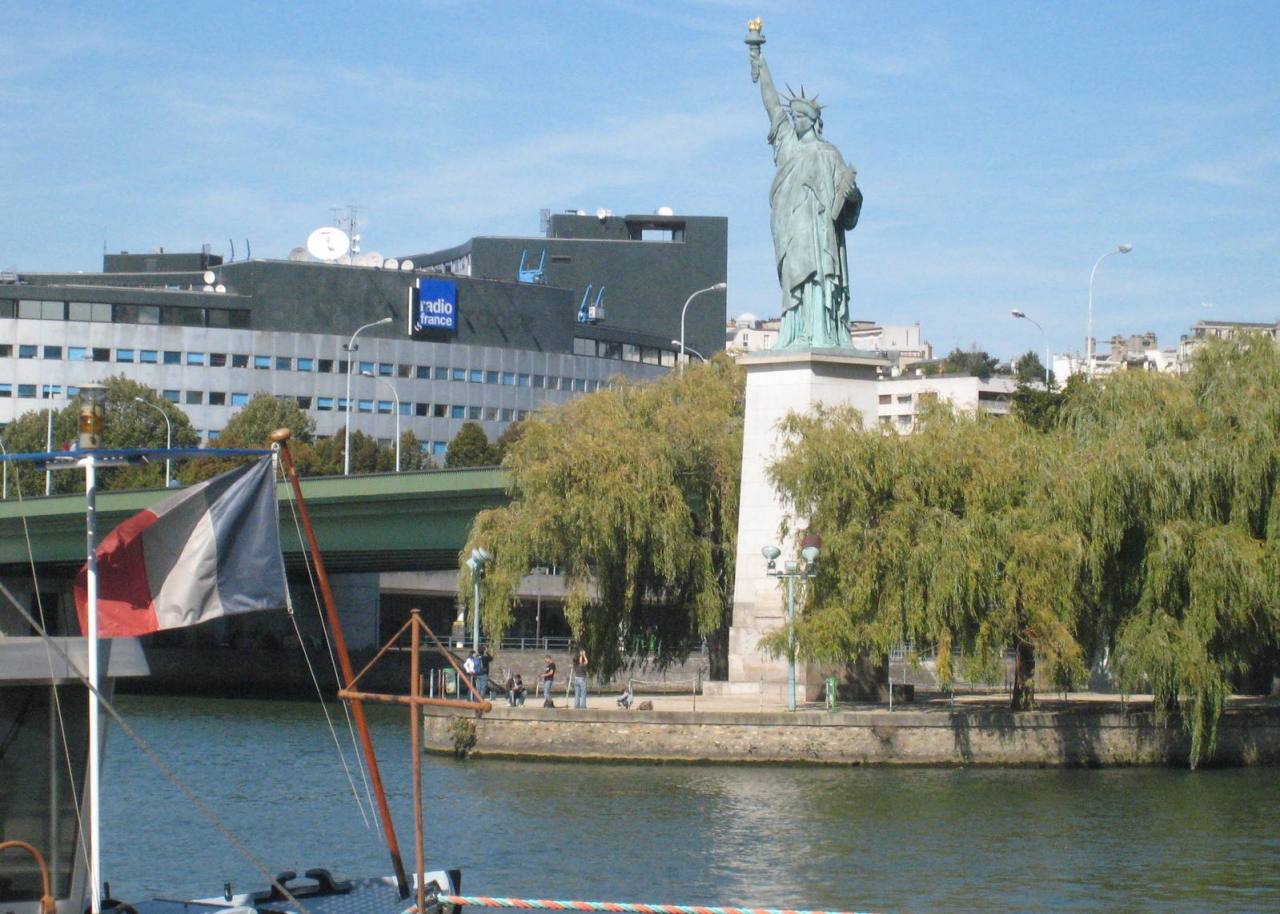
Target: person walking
<point x="548" y="677"/>
<point x="484" y="660"/>
<point x="580" y="679"/>
<point x="469" y="667"/>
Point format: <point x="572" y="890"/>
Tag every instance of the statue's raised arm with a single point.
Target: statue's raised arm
<point x="814" y="200"/>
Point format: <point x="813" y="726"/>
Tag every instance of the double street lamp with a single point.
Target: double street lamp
<point x="810" y="548"/>
<point x="396" y="395"/>
<point x="1123" y="249"/>
<point x="718" y="287"/>
<point x="168" y="438"/>
<point x="351" y="350"/>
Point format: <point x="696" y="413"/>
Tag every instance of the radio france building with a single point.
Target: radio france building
<point x="488" y="331"/>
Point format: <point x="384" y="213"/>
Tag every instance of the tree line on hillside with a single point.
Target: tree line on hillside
<point x="135" y="417"/>
<point x="1132" y="521"/>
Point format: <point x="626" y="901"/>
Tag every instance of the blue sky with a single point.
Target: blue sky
<point x="1002" y="147"/>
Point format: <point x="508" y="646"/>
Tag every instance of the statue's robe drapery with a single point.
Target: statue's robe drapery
<point x="814" y="200"/>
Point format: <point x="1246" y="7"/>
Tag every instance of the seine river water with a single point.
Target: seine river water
<point x="855" y="839"/>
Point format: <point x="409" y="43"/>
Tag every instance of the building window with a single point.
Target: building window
<point x="284" y="363"/>
<point x="455" y="412"/>
<point x="88" y="311"/>
<point x="491" y="413"/>
<point x="325" y="366"/>
<point x="439" y="448"/>
<point x="27" y="351"/>
<point x="342" y="404"/>
<point x="522" y="380"/>
<point x="440" y="373"/>
<point x="630" y="352"/>
<point x="509" y="379"/>
<point x="124" y="355"/>
<point x="49" y="391"/>
<point x="53" y="352"/>
<point x="364" y="406"/>
<point x="148" y="356"/>
<point x="324" y="404"/>
<point x="306" y="364"/>
<point x="539" y="381"/>
<point x="886" y="399"/>
<point x="194" y="397"/>
<point x="459" y="374"/>
<point x="422" y="409"/>
<point x="217" y="360"/>
<point x="477" y="376"/>
<point x="27" y="391"/>
<point x="491" y="377"/>
<point x="385" y="369"/>
<point x="473" y="413"/>
<point x="404" y="371"/>
<point x="239" y="399"/>
<point x="384" y="407"/>
<point x="101" y="354"/>
<point x="195" y="358"/>
<point x="214" y="434"/>
<point x="239" y="360"/>
<point x="172" y="358"/>
<point x="217" y="398"/>
<point x="423" y="373"/>
<point x="303" y="402"/>
<point x="439" y="411"/>
<point x="6" y="351"/>
<point x="6" y="390"/>
<point x="508" y="415"/>
<point x="170" y="395"/>
<point x="262" y="362"/>
<point x="365" y="366"/>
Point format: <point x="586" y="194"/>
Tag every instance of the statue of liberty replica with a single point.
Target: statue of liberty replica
<point x="814" y="200"/>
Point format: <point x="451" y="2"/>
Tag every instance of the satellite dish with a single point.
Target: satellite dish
<point x="208" y="288"/>
<point x="406" y="264"/>
<point x="208" y="276"/>
<point x="299" y="254"/>
<point x="219" y="288"/>
<point x="603" y="214"/>
<point x="328" y="243"/>
<point x="665" y="211"/>
<point x="373" y="258"/>
<point x="391" y="263"/>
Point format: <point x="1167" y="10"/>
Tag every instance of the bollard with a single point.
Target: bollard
<point x="832" y="682"/>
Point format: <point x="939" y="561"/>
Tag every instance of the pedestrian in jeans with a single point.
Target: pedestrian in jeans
<point x="482" y="662"/>
<point x="548" y="678"/>
<point x="580" y="680"/>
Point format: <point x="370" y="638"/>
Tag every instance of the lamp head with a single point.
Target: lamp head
<point x="771" y="554"/>
<point x="385" y="320"/>
<point x="810" y="549"/>
<point x="1124" y="249"/>
<point x="367" y="374"/>
<point x="1018" y="312"/>
<point x="720" y="287"/>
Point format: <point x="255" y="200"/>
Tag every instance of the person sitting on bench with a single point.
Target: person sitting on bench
<point x="624" y="700"/>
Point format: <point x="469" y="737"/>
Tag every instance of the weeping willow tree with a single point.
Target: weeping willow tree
<point x="1177" y="502"/>
<point x="633" y="492"/>
<point x="947" y="538"/>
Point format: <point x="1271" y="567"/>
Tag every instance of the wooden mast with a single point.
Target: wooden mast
<point x="281" y="438"/>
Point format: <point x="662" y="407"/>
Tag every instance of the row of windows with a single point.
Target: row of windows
<point x="163" y="315"/>
<point x="625" y="352"/>
<point x="290" y="363"/>
<point x="320" y="404"/>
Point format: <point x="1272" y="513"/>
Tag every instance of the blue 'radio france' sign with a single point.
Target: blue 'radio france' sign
<point x="435" y="306"/>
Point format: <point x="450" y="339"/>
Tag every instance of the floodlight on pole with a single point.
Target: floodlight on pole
<point x="1122" y="249"/>
<point x="718" y="287"/>
<point x="168" y="438"/>
<point x="1018" y="312"/>
<point x="396" y="395"/>
<point x="351" y="348"/>
<point x="810" y="549"/>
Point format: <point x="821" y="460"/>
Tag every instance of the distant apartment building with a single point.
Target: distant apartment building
<point x="1223" y="330"/>
<point x="902" y="345"/>
<point x="900" y="398"/>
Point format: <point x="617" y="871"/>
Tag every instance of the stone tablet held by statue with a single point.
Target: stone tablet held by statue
<point x="814" y="200"/>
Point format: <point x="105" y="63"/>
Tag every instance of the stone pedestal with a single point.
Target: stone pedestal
<point x="779" y="384"/>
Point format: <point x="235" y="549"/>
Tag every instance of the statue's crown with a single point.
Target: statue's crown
<point x="804" y="101"/>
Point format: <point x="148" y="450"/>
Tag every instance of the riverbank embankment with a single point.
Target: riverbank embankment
<point x="1082" y="731"/>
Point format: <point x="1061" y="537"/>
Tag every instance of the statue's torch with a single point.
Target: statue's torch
<point x="754" y="39"/>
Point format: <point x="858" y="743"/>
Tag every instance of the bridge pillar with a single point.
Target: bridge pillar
<point x="356" y="598"/>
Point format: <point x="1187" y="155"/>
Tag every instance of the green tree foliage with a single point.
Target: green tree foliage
<point x="507" y="440"/>
<point x="250" y="428"/>
<point x="1029" y="369"/>
<point x="1136" y="518"/>
<point x="973" y="362"/>
<point x="633" y="491"/>
<point x="470" y="448"/>
<point x="127" y="424"/>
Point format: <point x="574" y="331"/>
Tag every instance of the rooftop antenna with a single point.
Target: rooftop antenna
<point x="233" y="249"/>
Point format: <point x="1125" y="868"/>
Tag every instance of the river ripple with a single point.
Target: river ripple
<point x="885" y="839"/>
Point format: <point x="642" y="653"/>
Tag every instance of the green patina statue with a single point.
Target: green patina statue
<point x="814" y="201"/>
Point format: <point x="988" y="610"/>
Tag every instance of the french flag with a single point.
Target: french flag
<point x="208" y="551"/>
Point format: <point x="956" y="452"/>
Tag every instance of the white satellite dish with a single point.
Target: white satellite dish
<point x="373" y="258"/>
<point x="603" y="214"/>
<point x="406" y="264"/>
<point x="299" y="254"/>
<point x="328" y="243"/>
<point x="208" y="276"/>
<point x="219" y="288"/>
<point x="665" y="211"/>
<point x="391" y="263"/>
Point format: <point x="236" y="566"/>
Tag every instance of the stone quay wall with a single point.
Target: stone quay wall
<point x="1084" y="737"/>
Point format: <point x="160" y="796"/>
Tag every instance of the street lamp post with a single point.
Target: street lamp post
<point x="478" y="561"/>
<point x="1018" y="312"/>
<point x="810" y="548"/>
<point x="168" y="439"/>
<point x="718" y="287"/>
<point x="396" y="395"/>
<point x="351" y="349"/>
<point x="1123" y="249"/>
<point x="684" y="349"/>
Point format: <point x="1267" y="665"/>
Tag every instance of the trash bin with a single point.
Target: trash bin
<point x="450" y="682"/>
<point x="832" y="682"/>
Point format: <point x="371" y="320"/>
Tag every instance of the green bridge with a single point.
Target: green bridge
<point x="415" y="521"/>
